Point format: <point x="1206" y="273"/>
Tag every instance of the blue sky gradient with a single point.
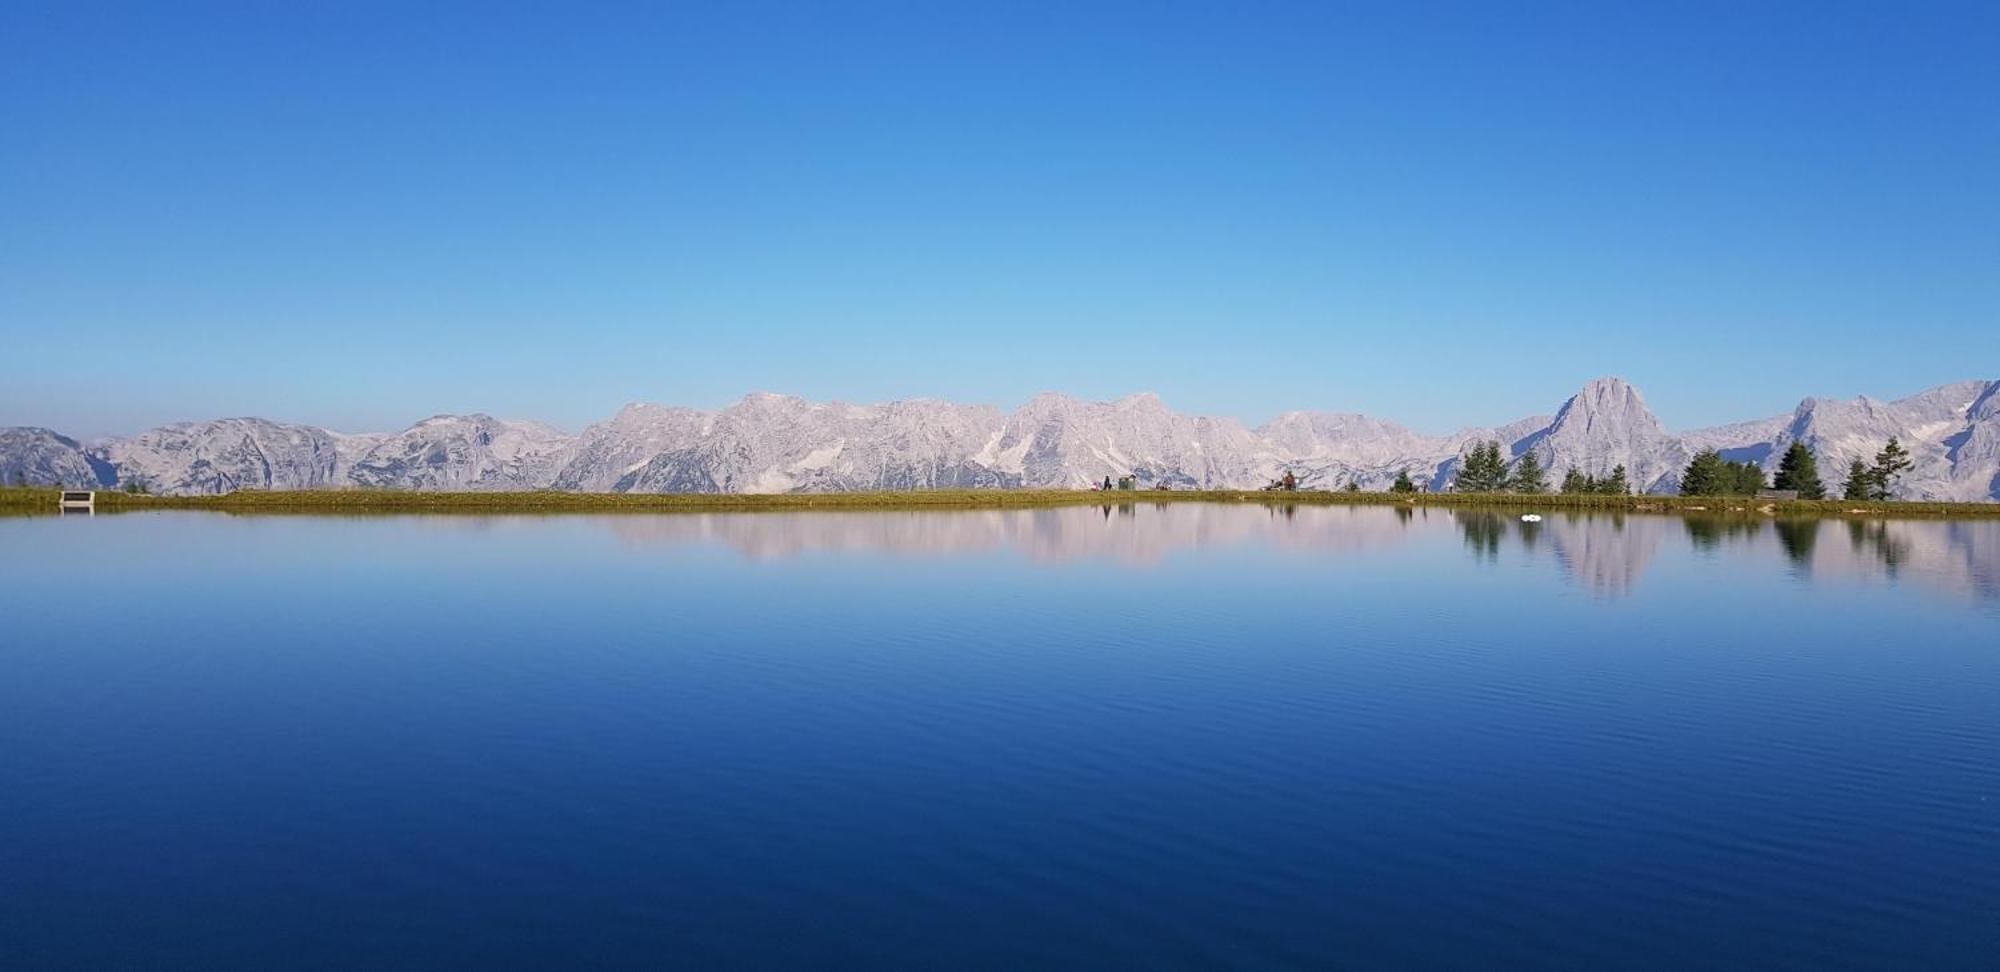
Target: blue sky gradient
<point x="357" y="215"/>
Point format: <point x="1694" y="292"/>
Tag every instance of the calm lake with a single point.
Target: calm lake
<point x="1138" y="737"/>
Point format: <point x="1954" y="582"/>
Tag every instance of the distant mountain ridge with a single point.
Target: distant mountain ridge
<point x="769" y="443"/>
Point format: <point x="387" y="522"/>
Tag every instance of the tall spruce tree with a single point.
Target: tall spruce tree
<point x="1860" y="483"/>
<point x="1575" y="482"/>
<point x="1528" y="475"/>
<point x="1706" y="475"/>
<point x="1799" y="470"/>
<point x="1615" y="484"/>
<point x="1890" y="464"/>
<point x="1402" y="483"/>
<point x="1482" y="470"/>
<point x="1745" y="478"/>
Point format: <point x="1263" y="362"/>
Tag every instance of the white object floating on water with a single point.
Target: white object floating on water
<point x="1531" y="518"/>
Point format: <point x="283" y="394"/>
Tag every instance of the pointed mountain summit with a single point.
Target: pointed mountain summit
<point x="1608" y="424"/>
<point x="1611" y="407"/>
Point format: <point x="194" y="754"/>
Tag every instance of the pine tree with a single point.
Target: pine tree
<point x="1860" y="482"/>
<point x="1705" y="475"/>
<point x="1615" y="484"/>
<point x="1575" y="482"/>
<point x="1890" y="464"/>
<point x="1354" y="486"/>
<point x="1528" y="476"/>
<point x="1496" y="469"/>
<point x="1482" y="470"/>
<point x="1471" y="467"/>
<point x="1402" y="483"/>
<point x="1799" y="470"/>
<point x="1745" y="479"/>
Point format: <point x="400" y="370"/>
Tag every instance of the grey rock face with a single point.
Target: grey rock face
<point x="1059" y="441"/>
<point x="463" y="452"/>
<point x="1948" y="430"/>
<point x="1606" y="425"/>
<point x="1739" y="442"/>
<point x="1328" y="450"/>
<point x="38" y="457"/>
<point x="611" y="450"/>
<point x="1974" y="453"/>
<point x="775" y="443"/>
<point x="226" y="455"/>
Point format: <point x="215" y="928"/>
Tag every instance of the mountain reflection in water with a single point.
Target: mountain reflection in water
<point x="1605" y="554"/>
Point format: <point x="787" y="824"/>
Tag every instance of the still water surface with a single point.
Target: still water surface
<point x="1150" y="737"/>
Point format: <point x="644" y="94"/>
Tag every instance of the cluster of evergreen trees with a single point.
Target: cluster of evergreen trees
<point x="1711" y="475"/>
<point x="1615" y="484"/>
<point x="1483" y="470"/>
<point x="1877" y="482"/>
<point x="1708" y="474"/>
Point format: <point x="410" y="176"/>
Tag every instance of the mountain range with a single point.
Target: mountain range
<point x="769" y="443"/>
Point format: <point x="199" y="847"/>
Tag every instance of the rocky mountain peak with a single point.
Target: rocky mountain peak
<point x="1605" y="425"/>
<point x="1610" y="403"/>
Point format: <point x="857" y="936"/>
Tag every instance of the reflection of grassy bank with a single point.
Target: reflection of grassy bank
<point x="363" y="501"/>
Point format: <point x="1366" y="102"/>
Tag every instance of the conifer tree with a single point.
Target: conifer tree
<point x="1799" y="470"/>
<point x="1482" y="470"/>
<point x="1402" y="483"/>
<point x="1890" y="464"/>
<point x="1528" y="476"/>
<point x="1615" y="484"/>
<point x="1471" y="470"/>
<point x="1745" y="478"/>
<point x="1705" y="475"/>
<point x="1860" y="482"/>
<point x="1496" y="469"/>
<point x="1575" y="482"/>
<point x="1353" y="485"/>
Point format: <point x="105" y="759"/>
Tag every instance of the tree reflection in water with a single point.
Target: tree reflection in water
<point x="1708" y="532"/>
<point x="1483" y="532"/>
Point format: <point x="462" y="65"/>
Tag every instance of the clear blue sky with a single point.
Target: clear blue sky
<point x="359" y="215"/>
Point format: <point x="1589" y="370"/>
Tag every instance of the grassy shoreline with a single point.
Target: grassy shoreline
<point x="30" y="501"/>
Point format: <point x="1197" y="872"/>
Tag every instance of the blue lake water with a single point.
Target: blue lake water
<point x="1141" y="737"/>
